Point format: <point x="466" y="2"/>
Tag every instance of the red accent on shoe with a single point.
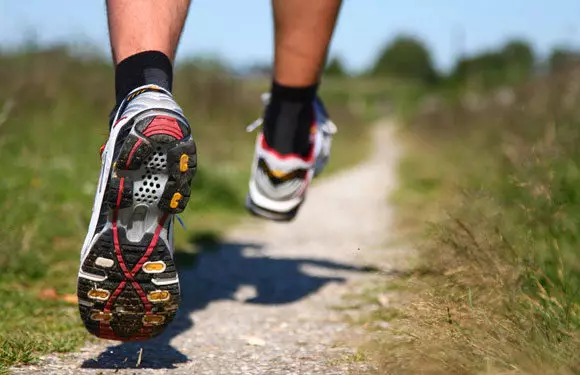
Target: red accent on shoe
<point x="105" y="330"/>
<point x="164" y="125"/>
<point x="118" y="121"/>
<point x="307" y="159"/>
<point x="133" y="152"/>
<point x="120" y="194"/>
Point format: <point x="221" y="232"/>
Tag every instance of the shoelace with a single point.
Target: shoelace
<point x="181" y="221"/>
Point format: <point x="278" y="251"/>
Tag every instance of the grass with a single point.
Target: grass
<point x="53" y="112"/>
<point x="490" y="196"/>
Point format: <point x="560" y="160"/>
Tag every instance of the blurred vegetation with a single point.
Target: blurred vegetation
<point x="511" y="64"/>
<point x="490" y="198"/>
<point x="54" y="107"/>
<point x="563" y="58"/>
<point x="335" y="68"/>
<point x="406" y="58"/>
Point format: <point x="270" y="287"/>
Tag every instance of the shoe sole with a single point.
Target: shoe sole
<point x="264" y="213"/>
<point x="128" y="286"/>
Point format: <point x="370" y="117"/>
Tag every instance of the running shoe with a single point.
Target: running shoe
<point x="278" y="183"/>
<point x="128" y="287"/>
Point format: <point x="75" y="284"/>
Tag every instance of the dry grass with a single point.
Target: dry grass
<point x="490" y="196"/>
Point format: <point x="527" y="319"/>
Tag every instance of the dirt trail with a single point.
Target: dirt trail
<point x="263" y="302"/>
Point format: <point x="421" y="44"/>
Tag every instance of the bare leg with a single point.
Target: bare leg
<point x="145" y="25"/>
<point x="303" y="30"/>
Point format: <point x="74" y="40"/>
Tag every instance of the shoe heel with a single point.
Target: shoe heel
<point x="263" y="213"/>
<point x="182" y="167"/>
<point x="162" y="142"/>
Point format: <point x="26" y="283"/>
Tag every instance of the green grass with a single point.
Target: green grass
<point x="491" y="199"/>
<point x="53" y="119"/>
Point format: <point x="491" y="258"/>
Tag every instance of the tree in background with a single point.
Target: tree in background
<point x="406" y="57"/>
<point x="563" y="58"/>
<point x="511" y="64"/>
<point x="519" y="60"/>
<point x="335" y="68"/>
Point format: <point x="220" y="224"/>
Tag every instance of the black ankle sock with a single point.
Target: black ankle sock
<point x="288" y="119"/>
<point x="144" y="68"/>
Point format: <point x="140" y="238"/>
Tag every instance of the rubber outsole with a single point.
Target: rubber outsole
<point x="128" y="287"/>
<point x="264" y="213"/>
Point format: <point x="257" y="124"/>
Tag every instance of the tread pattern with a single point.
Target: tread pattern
<point x="129" y="291"/>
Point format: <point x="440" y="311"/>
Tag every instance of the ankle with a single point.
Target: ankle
<point x="289" y="118"/>
<point x="304" y="94"/>
<point x="149" y="67"/>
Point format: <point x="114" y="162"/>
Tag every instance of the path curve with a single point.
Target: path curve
<point x="263" y="302"/>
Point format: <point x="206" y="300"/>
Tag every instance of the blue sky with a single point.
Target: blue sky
<point x="241" y="31"/>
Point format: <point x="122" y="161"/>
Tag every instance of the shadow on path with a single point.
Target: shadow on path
<point x="217" y="274"/>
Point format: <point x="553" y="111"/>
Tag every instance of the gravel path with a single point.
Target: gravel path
<point x="263" y="302"/>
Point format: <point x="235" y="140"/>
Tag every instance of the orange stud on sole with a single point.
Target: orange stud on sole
<point x="154" y="267"/>
<point x="101" y="316"/>
<point x="153" y="319"/>
<point x="175" y="200"/>
<point x="183" y="163"/>
<point x="158" y="296"/>
<point x="99" y="294"/>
